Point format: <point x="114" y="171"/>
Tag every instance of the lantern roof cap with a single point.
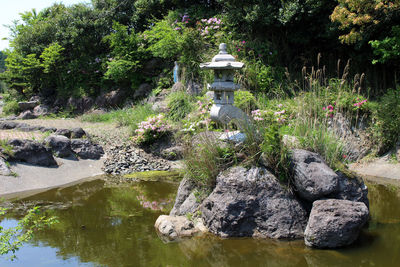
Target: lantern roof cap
<point x="222" y="60"/>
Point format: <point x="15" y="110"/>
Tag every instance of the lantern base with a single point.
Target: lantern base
<point x="225" y="113"/>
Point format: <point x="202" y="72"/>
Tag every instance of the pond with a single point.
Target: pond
<point x="103" y="225"/>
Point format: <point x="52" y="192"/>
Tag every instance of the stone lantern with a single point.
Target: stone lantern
<point x="224" y="66"/>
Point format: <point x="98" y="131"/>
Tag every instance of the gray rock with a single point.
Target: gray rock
<point x="172" y="153"/>
<point x="178" y="87"/>
<point x="23" y="106"/>
<point x="48" y="129"/>
<point x="143" y="90"/>
<point x="8" y="125"/>
<point x="193" y="88"/>
<point x="64" y="132"/>
<point x="190" y="205"/>
<point x="59" y="144"/>
<point x="253" y="203"/>
<point x="31" y="152"/>
<point x="312" y="178"/>
<point x="352" y="189"/>
<point x="41" y="110"/>
<point x="80" y="105"/>
<point x="4" y="169"/>
<point x="86" y="149"/>
<point x="335" y="223"/>
<point x="185" y="189"/>
<point x="26" y="115"/>
<point x="174" y="228"/>
<point x="77" y="133"/>
<point x="114" y="99"/>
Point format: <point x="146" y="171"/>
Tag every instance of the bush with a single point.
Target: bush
<point x="153" y="128"/>
<point x="11" y="107"/>
<point x="180" y="105"/>
<point x="386" y="117"/>
<point x="245" y="101"/>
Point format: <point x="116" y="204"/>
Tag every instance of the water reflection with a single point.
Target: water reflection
<point x="113" y="226"/>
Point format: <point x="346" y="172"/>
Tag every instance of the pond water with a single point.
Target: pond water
<point x="102" y="225"/>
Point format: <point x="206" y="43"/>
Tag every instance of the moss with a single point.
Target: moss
<point x="155" y="176"/>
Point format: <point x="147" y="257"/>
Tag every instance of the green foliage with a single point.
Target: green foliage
<point x="11" y="239"/>
<point x="386" y="120"/>
<point x="11" y="107"/>
<point x="164" y="41"/>
<point x="6" y="149"/>
<point x="387" y="49"/>
<point x="127" y="56"/>
<point x="179" y="105"/>
<point x="245" y="100"/>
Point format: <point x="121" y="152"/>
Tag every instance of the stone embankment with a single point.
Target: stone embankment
<point x="253" y="203"/>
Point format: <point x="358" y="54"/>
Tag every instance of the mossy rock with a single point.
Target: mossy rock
<point x="155" y="176"/>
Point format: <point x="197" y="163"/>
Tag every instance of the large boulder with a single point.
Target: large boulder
<point x="26" y="115"/>
<point x="59" y="144"/>
<point x="86" y="149"/>
<point x="31" y="152"/>
<point x="77" y="133"/>
<point x="23" y="106"/>
<point x="41" y="110"/>
<point x="335" y="223"/>
<point x="143" y="91"/>
<point x="253" y="203"/>
<point x="174" y="228"/>
<point x="8" y="125"/>
<point x="193" y="88"/>
<point x="64" y="132"/>
<point x="186" y="188"/>
<point x="312" y="178"/>
<point x="114" y="98"/>
<point x="351" y="188"/>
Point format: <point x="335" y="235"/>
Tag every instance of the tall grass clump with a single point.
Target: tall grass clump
<point x="206" y="158"/>
<point x="180" y="105"/>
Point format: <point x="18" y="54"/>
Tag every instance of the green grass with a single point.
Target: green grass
<point x="123" y="117"/>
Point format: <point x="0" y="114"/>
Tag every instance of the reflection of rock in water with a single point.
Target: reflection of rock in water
<point x="214" y="251"/>
<point x="326" y="258"/>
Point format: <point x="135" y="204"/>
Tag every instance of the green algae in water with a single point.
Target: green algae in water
<point x="155" y="176"/>
<point x="103" y="226"/>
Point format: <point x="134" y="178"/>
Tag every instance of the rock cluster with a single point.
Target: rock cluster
<point x="328" y="209"/>
<point x="123" y="159"/>
<point x="57" y="144"/>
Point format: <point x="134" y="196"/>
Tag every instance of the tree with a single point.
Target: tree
<point x="361" y="19"/>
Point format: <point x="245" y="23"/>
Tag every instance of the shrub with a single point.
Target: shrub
<point x="386" y="117"/>
<point x="180" y="105"/>
<point x="245" y="101"/>
<point x="153" y="128"/>
<point x="11" y="107"/>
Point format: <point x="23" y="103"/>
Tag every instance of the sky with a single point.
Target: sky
<point x="10" y="9"/>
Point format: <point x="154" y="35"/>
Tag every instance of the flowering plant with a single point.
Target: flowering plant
<point x="270" y="116"/>
<point x="201" y="118"/>
<point x="329" y="110"/>
<point x="153" y="128"/>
